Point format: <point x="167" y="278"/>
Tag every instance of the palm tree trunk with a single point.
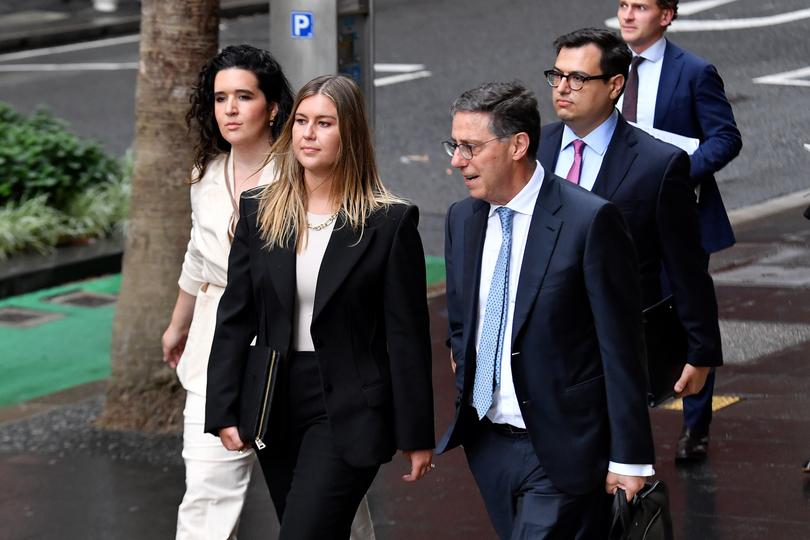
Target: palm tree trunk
<point x="177" y="37"/>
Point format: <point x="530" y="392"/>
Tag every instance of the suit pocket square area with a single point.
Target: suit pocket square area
<point x="666" y="348"/>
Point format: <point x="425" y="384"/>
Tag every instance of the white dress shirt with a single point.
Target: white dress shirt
<point x="505" y="408"/>
<point x="596" y="144"/>
<point x="649" y="75"/>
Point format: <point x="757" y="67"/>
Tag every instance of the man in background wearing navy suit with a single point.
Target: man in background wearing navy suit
<point x="648" y="180"/>
<point x="676" y="91"/>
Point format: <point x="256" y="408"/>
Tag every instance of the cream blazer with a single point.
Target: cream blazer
<point x="205" y="267"/>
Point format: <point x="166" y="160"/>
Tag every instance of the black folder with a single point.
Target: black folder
<point x="666" y="350"/>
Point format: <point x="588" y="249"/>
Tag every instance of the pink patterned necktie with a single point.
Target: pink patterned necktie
<point x="576" y="166"/>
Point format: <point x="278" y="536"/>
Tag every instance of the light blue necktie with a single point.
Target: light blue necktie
<point x="490" y="345"/>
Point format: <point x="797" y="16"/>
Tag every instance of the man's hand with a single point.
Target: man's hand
<point x="630" y="484"/>
<point x="230" y="439"/>
<point x="420" y="464"/>
<point x="452" y="361"/>
<point x="692" y="380"/>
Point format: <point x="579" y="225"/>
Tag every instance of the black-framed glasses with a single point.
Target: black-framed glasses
<point x="576" y="80"/>
<point x="465" y="149"/>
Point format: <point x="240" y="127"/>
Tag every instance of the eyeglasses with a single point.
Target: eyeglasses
<point x="465" y="149"/>
<point x="575" y="80"/>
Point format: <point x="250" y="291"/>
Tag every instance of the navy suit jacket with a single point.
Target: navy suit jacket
<point x="648" y="180"/>
<point x="577" y="349"/>
<point x="691" y="102"/>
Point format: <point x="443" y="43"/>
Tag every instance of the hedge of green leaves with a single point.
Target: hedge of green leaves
<point x="38" y="156"/>
<point x="55" y="187"/>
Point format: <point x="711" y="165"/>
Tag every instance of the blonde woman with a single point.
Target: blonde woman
<point x="327" y="271"/>
<point x="238" y="107"/>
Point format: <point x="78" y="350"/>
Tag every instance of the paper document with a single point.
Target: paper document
<point x="688" y="144"/>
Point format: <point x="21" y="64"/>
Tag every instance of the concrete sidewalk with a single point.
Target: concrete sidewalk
<point x="64" y="479"/>
<point x="28" y="24"/>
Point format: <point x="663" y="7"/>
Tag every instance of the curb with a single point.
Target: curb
<point x="791" y="201"/>
<point x="111" y="26"/>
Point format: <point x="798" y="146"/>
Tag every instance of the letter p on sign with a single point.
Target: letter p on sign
<point x="301" y="24"/>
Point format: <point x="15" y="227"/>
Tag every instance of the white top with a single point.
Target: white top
<point x="505" y="408"/>
<point x="206" y="259"/>
<point x="649" y="75"/>
<point x="596" y="144"/>
<point x="307" y="267"/>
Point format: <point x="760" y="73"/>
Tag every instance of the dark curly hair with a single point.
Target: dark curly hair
<point x="200" y="117"/>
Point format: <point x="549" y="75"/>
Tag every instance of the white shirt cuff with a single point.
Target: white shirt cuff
<point x="628" y="469"/>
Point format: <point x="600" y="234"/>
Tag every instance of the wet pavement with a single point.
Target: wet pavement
<point x="64" y="479"/>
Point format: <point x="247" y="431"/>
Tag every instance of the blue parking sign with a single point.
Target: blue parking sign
<point x="302" y="24"/>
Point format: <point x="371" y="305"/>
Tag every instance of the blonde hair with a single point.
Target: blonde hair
<point x="356" y="185"/>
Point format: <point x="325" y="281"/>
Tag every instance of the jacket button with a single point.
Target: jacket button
<point x="327" y="388"/>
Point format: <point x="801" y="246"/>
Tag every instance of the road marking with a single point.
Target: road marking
<point x="689" y="8"/>
<point x="398" y="68"/>
<point x="787" y="78"/>
<point x="85" y="45"/>
<point x="807" y="147"/>
<point x="96" y="66"/>
<point x="403" y="77"/>
<point x="702" y="25"/>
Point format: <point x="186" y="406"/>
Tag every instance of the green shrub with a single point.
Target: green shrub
<point x="29" y="225"/>
<point x="39" y="157"/>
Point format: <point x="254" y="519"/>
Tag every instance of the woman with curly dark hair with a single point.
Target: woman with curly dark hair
<point x="238" y="107"/>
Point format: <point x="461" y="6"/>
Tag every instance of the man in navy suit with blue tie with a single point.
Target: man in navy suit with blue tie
<point x="679" y="92"/>
<point x="544" y="310"/>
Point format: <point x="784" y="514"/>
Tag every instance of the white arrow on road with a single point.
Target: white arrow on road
<point x="702" y="25"/>
<point x="787" y="78"/>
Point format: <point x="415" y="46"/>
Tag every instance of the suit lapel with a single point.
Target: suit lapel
<point x="344" y="249"/>
<point x="544" y="230"/>
<point x="281" y="271"/>
<point x="670" y="74"/>
<point x="619" y="156"/>
<point x="475" y="228"/>
<point x="550" y="141"/>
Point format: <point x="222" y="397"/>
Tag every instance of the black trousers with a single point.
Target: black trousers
<point x="315" y="492"/>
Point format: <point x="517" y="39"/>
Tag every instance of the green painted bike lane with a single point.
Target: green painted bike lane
<point x="75" y="348"/>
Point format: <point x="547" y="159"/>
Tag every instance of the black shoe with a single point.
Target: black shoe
<point x="691" y="447"/>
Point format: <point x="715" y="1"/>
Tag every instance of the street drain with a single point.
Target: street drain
<point x="83" y="299"/>
<point x="719" y="401"/>
<point x="14" y="317"/>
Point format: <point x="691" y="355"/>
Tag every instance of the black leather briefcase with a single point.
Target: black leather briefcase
<point x="646" y="517"/>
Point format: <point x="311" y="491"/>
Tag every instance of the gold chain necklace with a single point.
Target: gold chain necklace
<point x="325" y="224"/>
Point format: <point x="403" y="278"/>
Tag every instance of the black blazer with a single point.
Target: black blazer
<point x="370" y="329"/>
<point x="648" y="180"/>
<point x="577" y="350"/>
